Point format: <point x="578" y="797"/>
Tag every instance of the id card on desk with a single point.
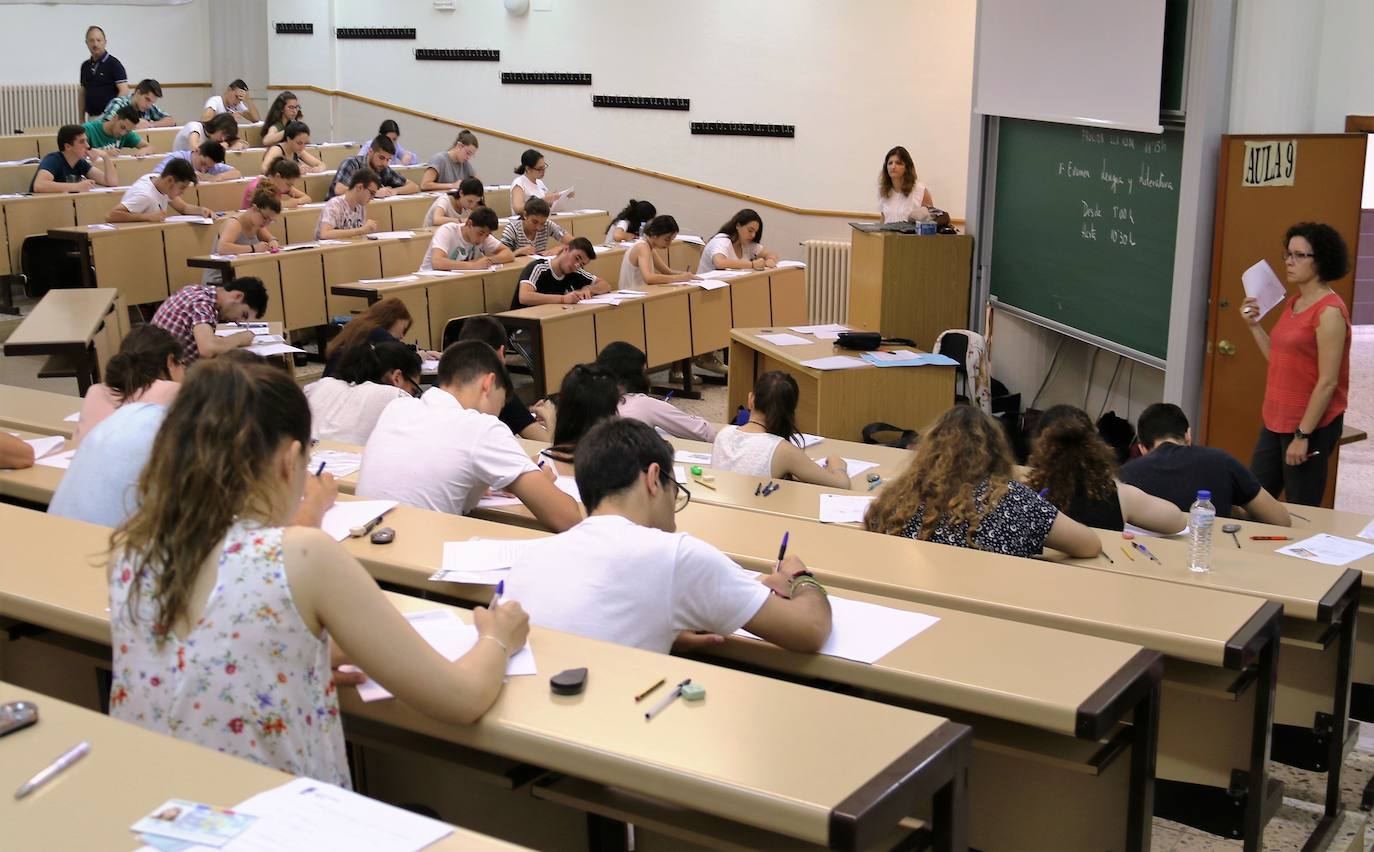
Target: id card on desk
<point x="193" y="822"/>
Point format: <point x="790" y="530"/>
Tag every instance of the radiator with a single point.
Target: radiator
<point x="827" y="281"/>
<point x="38" y="105"/>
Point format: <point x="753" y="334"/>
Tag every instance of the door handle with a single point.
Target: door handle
<point x="1226" y="347"/>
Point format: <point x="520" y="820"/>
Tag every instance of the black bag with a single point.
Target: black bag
<point x="49" y="264"/>
<point x="867" y="341"/>
<point x="905" y="440"/>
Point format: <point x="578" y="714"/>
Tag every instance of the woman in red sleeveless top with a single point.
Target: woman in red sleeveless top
<point x="1309" y="368"/>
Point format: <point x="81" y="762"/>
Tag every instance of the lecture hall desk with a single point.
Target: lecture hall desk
<point x="99" y="787"/>
<point x="771" y="780"/>
<point x="42" y="412"/>
<point x="838" y="403"/>
<point x="1031" y="719"/>
<point x="79" y="330"/>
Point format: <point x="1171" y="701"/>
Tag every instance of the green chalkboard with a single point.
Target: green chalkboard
<point x="1083" y="230"/>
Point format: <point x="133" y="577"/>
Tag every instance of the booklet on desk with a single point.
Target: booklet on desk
<point x="866" y="632"/>
<point x="452" y="638"/>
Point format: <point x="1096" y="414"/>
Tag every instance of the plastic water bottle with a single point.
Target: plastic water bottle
<point x="1202" y="515"/>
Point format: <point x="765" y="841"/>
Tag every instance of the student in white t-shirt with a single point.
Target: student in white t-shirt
<point x="455" y="207"/>
<point x="736" y="245"/>
<point x="444" y="450"/>
<point x="346" y="215"/>
<point x="370" y="376"/>
<point x="901" y="196"/>
<point x="467" y="246"/>
<point x="643" y="264"/>
<point x="625" y="575"/>
<point x="235" y="100"/>
<point x="764" y="446"/>
<point x="222" y="129"/>
<point x="150" y="196"/>
<point x="529" y="183"/>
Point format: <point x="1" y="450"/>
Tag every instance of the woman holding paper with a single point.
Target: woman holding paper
<point x="225" y="611"/>
<point x="1309" y="367"/>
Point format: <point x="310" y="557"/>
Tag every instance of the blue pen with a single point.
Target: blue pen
<point x="782" y="551"/>
<point x="1044" y="492"/>
<point x="320" y="470"/>
<point x="496" y="598"/>
<point x="668" y="396"/>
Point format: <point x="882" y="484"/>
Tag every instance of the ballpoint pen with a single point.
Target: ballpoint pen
<point x="51" y="771"/>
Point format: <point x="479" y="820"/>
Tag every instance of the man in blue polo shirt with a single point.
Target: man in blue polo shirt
<point x="68" y="170"/>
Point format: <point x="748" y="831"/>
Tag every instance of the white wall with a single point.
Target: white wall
<point x="47" y="44"/>
<point x="855" y="79"/>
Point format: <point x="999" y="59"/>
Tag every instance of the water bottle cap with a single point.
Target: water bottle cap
<point x="1204" y="495"/>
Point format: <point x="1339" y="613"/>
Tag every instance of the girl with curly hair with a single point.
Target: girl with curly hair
<point x="959" y="490"/>
<point x="1076" y="471"/>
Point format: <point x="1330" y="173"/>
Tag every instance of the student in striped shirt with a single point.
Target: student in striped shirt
<point x="532" y="233"/>
<point x="143" y="99"/>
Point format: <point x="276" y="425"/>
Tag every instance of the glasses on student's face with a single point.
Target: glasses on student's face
<point x="415" y="389"/>
<point x="681" y="496"/>
<point x="1297" y="255"/>
<point x="541" y="168"/>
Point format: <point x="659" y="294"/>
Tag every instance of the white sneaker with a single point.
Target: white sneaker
<point x="710" y="363"/>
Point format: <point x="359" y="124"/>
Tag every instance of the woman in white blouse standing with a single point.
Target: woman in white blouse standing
<point x="901" y="197"/>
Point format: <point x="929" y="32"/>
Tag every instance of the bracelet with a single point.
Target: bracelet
<point x="497" y="641"/>
<point x="799" y="582"/>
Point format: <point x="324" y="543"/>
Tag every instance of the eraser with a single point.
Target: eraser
<point x="1128" y="535"/>
<point x="696" y="470"/>
<point x="693" y="692"/>
<point x="569" y="681"/>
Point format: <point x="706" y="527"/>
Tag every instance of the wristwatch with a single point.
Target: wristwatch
<point x="1298" y="433"/>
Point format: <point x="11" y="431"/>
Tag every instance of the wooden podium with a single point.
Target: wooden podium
<point x="905" y="285"/>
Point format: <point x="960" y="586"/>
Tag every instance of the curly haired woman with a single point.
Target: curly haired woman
<point x="959" y="491"/>
<point x="1075" y="469"/>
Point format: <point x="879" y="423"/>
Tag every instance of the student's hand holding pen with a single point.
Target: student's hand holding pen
<point x="780" y="581"/>
<point x="506" y="624"/>
<point x="321" y="491"/>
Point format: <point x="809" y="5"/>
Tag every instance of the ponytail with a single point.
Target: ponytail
<point x="141" y="360"/>
<point x="775" y="397"/>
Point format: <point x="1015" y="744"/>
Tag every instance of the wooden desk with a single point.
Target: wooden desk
<point x="890" y="460"/>
<point x="129" y="772"/>
<point x="33" y="486"/>
<point x="911" y="286"/>
<point x="497" y="197"/>
<point x="43" y="412"/>
<point x="34" y="214"/>
<point x="773" y="783"/>
<point x="128" y="258"/>
<point x="160" y="139"/>
<point x="16" y="177"/>
<point x="19" y="147"/>
<point x="839" y="403"/>
<point x="78" y="329"/>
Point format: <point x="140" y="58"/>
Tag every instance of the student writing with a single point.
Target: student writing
<point x="68" y="170"/>
<point x="630" y="368"/>
<point x="644" y="265"/>
<point x="207" y="161"/>
<point x="295" y="139"/>
<point x="763" y="446"/>
<point x="467" y="246"/>
<point x="346" y="406"/>
<point x="150" y="196"/>
<point x="457" y="205"/>
<point x="235" y="101"/>
<point x="285" y="108"/>
<point x="536" y="422"/>
<point x="241" y="616"/>
<point x="222" y="129"/>
<point x="447" y="169"/>
<point x="147" y="368"/>
<point x="249" y="231"/>
<point x="377" y="160"/>
<point x="391" y="130"/>
<point x="116" y="131"/>
<point x="625" y="575"/>
<point x="346" y="215"/>
<point x="144" y="99"/>
<point x="385" y="321"/>
<point x="529" y="183"/>
<point x="280" y="178"/>
<point x="626" y="224"/>
<point x="192" y="313"/>
<point x="532" y="233"/>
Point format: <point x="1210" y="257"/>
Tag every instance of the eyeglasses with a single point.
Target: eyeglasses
<point x="415" y="389"/>
<point x="1298" y="255"/>
<point x="681" y="496"/>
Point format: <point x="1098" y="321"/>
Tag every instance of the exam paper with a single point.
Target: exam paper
<point x="825" y="328"/>
<point x="866" y="632"/>
<point x="791" y="264"/>
<point x="907" y="358"/>
<point x="492" y="499"/>
<point x="689" y="457"/>
<point x="843" y="508"/>
<point x="709" y="283"/>
<point x="448" y="635"/>
<point x="429" y="365"/>
<point x="391" y="235"/>
<point x="199" y="220"/>
<point x="1138" y="531"/>
<point x="568" y="485"/>
<point x="784" y="339"/>
<point x="680" y="474"/>
<point x="854" y="466"/>
<point x="336" y="462"/>
<point x="1328" y="549"/>
<point x="691" y="238"/>
<point x="307" y="814"/>
<point x="58" y="460"/>
<point x="835" y="362"/>
<point x="343" y="517"/>
<point x="1261" y="283"/>
<point x="258" y="329"/>
<point x="718" y="274"/>
<point x="45" y="445"/>
<point x="74" y="417"/>
<point x="806" y="441"/>
<point x="395" y="280"/>
<point x="478" y="560"/>
<point x="266" y="349"/>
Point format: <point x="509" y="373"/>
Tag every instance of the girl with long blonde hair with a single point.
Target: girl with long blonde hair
<point x="960" y="490"/>
<point x="224" y="616"/>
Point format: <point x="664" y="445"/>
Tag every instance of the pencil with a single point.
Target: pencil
<point x="646" y="693"/>
<point x="701" y="481"/>
<point x="1126" y="550"/>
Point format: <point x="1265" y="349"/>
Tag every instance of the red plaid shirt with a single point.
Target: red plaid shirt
<point x="185" y="309"/>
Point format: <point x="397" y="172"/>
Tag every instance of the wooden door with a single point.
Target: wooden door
<point x="1327" y="175"/>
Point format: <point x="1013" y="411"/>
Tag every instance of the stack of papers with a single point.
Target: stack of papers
<point x="835" y="362"/>
<point x="828" y="328"/>
<point x="258" y="328"/>
<point x="855" y="467"/>
<point x="336" y="462"/>
<point x="343" y="517"/>
<point x="396" y="280"/>
<point x="1263" y="285"/>
<point x="485" y="561"/>
<point x="907" y="358"/>
<point x="708" y="283"/>
<point x="448" y="635"/>
<point x="866" y="632"/>
<point x="199" y="220"/>
<point x="784" y="339"/>
<point x="688" y="457"/>
<point x="1328" y="549"/>
<point x="100" y="226"/>
<point x="843" y="508"/>
<point x="391" y="235"/>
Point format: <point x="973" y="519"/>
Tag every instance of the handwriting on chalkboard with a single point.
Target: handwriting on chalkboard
<point x="1118" y="220"/>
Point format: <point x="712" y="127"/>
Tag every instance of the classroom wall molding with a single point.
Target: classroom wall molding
<point x="752" y="200"/>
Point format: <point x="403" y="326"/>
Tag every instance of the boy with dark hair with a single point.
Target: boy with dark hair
<point x="115" y="130"/>
<point x="446" y="449"/>
<point x="377" y="159"/>
<point x="630" y="366"/>
<point x="143" y="99"/>
<point x="150" y="196"/>
<point x="625" y="575"/>
<point x="561" y="280"/>
<point x="235" y="100"/>
<point x="1174" y="469"/>
<point x="191" y="314"/>
<point x="467" y="246"/>
<point x="346" y="215"/>
<point x="68" y="170"/>
<point x="207" y="162"/>
<point x="536" y="425"/>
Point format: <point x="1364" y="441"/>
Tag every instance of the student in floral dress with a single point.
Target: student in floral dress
<point x="224" y="617"/>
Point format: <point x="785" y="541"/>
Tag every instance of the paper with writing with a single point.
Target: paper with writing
<point x="452" y="638"/>
<point x="1263" y="285"/>
<point x="843" y="508"/>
